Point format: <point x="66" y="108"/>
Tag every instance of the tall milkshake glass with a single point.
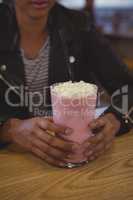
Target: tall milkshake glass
<point x="74" y="106"/>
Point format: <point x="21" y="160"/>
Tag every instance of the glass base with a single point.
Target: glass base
<point x="74" y="165"/>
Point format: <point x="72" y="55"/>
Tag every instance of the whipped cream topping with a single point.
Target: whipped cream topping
<point x="74" y="90"/>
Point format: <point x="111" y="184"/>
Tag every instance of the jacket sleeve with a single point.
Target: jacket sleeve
<point x="114" y="76"/>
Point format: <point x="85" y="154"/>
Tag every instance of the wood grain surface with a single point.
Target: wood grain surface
<point x="24" y="177"/>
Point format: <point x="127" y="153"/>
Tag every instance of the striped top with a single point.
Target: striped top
<point x="36" y="76"/>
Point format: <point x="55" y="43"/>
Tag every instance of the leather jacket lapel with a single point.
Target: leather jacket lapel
<point x="58" y="71"/>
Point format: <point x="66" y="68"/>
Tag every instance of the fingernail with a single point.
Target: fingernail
<point x="62" y="164"/>
<point x="75" y="147"/>
<point x="87" y="145"/>
<point x="69" y="156"/>
<point x="89" y="153"/>
<point x="68" y="131"/>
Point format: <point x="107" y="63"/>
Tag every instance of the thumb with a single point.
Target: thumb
<point x="97" y="123"/>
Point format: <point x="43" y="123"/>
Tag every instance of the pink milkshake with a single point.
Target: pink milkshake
<point x="74" y="106"/>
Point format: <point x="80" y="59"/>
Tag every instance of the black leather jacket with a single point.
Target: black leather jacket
<point x="94" y="60"/>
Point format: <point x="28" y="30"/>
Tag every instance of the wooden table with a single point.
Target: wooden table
<point x="24" y="177"/>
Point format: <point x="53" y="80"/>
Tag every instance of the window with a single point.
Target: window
<point x="115" y="16"/>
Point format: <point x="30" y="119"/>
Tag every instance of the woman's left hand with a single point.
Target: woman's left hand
<point x="104" y="129"/>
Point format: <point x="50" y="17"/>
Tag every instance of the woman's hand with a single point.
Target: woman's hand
<point x="32" y="135"/>
<point x="104" y="129"/>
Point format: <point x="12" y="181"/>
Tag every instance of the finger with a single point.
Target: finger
<point x="91" y="158"/>
<point x="47" y="158"/>
<point x="89" y="153"/>
<point x="96" y="149"/>
<point x="51" y="151"/>
<point x="97" y="138"/>
<point x="48" y="125"/>
<point x="109" y="133"/>
<point x="99" y="147"/>
<point x="96" y="155"/>
<point x="102" y="145"/>
<point x="100" y="153"/>
<point x="93" y="141"/>
<point x="97" y="123"/>
<point x="55" y="141"/>
<point x="106" y="134"/>
<point x="99" y="150"/>
<point x="49" y="118"/>
<point x="109" y="139"/>
<point x="109" y="145"/>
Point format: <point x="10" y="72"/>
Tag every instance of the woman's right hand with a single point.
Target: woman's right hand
<point x="31" y="134"/>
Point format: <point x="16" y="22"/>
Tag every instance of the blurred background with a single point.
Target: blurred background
<point x="114" y="18"/>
